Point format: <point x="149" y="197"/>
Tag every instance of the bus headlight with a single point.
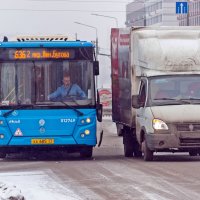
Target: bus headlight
<point x="1" y="136"/>
<point x="87" y="132"/>
<point x="82" y="135"/>
<point x="159" y="125"/>
<point x="86" y="121"/>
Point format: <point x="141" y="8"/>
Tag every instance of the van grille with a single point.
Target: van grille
<point x="190" y="141"/>
<point x="189" y="127"/>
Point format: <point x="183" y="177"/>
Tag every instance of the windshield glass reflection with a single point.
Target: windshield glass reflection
<point x="47" y="81"/>
<point x="175" y="88"/>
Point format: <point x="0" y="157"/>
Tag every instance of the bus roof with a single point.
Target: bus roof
<point x="47" y="44"/>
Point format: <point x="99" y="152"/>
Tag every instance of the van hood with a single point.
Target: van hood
<point x="177" y="113"/>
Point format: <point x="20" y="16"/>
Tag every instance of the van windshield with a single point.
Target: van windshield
<point x="174" y="88"/>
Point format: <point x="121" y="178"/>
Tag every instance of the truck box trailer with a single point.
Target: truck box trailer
<point x="156" y="89"/>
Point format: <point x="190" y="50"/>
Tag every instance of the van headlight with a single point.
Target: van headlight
<point x="159" y="125"/>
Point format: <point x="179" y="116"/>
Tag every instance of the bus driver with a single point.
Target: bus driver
<point x="67" y="91"/>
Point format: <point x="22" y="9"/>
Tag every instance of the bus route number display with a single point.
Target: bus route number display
<point x="37" y="54"/>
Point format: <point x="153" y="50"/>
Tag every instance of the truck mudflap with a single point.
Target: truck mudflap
<point x="159" y="142"/>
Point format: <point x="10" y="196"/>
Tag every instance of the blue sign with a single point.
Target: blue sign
<point x="181" y="7"/>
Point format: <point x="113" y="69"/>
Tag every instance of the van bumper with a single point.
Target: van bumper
<point x="172" y="142"/>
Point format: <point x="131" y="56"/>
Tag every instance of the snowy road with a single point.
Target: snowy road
<point x="107" y="176"/>
<point x="38" y="185"/>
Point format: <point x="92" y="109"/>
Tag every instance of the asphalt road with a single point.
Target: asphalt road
<point x="108" y="175"/>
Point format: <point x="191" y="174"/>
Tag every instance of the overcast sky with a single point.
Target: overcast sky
<point x="52" y="17"/>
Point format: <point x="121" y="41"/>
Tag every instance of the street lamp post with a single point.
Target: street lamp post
<point x="107" y="17"/>
<point x="97" y="47"/>
<point x="188" y="18"/>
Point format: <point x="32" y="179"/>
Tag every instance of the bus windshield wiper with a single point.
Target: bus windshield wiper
<point x="44" y="103"/>
<point x="19" y="106"/>
<point x="67" y="105"/>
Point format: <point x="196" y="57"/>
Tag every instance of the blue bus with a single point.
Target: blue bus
<point x="31" y="69"/>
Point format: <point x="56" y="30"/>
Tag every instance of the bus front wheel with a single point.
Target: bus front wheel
<point x="86" y="152"/>
<point x="2" y="155"/>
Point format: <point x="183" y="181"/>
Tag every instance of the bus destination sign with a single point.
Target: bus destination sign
<point x="39" y="54"/>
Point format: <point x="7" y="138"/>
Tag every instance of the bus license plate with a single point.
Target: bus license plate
<point x="42" y="141"/>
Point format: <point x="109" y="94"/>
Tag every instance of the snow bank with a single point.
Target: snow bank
<point x="10" y="192"/>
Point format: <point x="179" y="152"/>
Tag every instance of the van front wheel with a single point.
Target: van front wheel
<point x="193" y="153"/>
<point x="148" y="154"/>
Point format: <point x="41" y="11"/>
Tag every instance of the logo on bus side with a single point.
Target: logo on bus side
<point x="42" y="130"/>
<point x="15" y="121"/>
<point x="14" y="113"/>
<point x="67" y="120"/>
<point x="41" y="122"/>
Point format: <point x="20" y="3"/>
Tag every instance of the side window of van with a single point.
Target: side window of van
<point x="142" y="93"/>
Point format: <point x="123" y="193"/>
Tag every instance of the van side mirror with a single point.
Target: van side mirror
<point x="135" y="101"/>
<point x="96" y="67"/>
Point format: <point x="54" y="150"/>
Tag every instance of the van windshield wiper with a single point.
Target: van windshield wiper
<point x="192" y="99"/>
<point x="19" y="106"/>
<point x="178" y="100"/>
<point x="164" y="99"/>
<point x="78" y="112"/>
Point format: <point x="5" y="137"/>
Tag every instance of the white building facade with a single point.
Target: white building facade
<point x="161" y="13"/>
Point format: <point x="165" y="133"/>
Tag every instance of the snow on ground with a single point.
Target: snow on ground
<point x="10" y="192"/>
<point x="38" y="185"/>
<point x="34" y="185"/>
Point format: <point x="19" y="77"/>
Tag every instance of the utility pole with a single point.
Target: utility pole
<point x="107" y="17"/>
<point x="97" y="45"/>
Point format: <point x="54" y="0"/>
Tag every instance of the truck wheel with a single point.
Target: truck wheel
<point x="137" y="149"/>
<point x="128" y="141"/>
<point x="86" y="152"/>
<point x="2" y="155"/>
<point x="137" y="153"/>
<point x="128" y="151"/>
<point x="148" y="154"/>
<point x="119" y="129"/>
<point x="193" y="153"/>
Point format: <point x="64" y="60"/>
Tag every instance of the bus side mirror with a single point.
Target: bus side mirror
<point x="99" y="109"/>
<point x="96" y="67"/>
<point x="135" y="101"/>
<point x="98" y="97"/>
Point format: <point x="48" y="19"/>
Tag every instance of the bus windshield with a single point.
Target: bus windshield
<point x="34" y="82"/>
